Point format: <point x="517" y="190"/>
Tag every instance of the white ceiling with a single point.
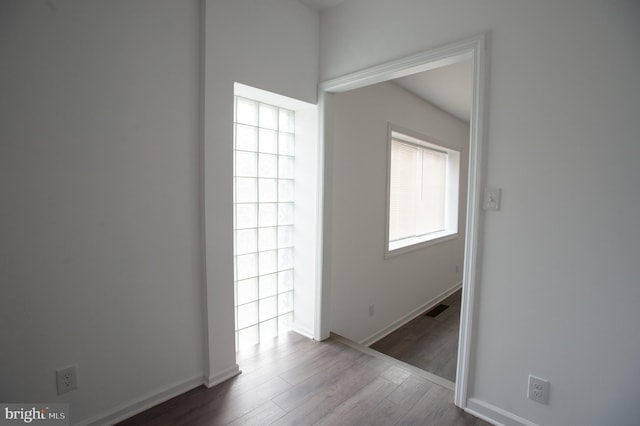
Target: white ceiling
<point x="321" y="5"/>
<point x="449" y="88"/>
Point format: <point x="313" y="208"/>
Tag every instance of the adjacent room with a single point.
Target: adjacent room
<point x="373" y="127"/>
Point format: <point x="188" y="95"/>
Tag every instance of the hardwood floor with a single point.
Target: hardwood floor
<point x="430" y="344"/>
<point x="297" y="381"/>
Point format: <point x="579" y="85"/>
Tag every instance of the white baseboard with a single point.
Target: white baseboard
<point x="303" y="331"/>
<point x="410" y="316"/>
<point x="222" y="376"/>
<point x="495" y="415"/>
<point x="131" y="408"/>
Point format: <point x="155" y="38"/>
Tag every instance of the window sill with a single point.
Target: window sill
<point x="400" y="247"/>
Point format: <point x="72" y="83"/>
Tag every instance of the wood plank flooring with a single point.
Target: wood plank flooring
<point x="430" y="344"/>
<point x="297" y="381"/>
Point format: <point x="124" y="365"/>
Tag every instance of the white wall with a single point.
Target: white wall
<point x="360" y="275"/>
<point x="271" y="45"/>
<point x="101" y="188"/>
<point x="558" y="288"/>
<point x="100" y="260"/>
<point x="307" y="220"/>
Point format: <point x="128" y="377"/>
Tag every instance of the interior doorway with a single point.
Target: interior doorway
<point x="469" y="50"/>
<point x="430" y="340"/>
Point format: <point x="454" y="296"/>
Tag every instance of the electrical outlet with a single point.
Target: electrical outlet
<point x="370" y="310"/>
<point x="538" y="390"/>
<point x="67" y="379"/>
<point x="491" y="199"/>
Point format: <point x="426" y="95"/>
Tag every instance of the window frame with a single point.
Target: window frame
<point x="452" y="185"/>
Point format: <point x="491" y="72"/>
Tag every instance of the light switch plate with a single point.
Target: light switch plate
<point x="491" y="199"/>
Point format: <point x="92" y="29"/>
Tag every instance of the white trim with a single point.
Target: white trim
<point x="222" y="376"/>
<point x="424" y="61"/>
<point x="495" y="415"/>
<point x="318" y="318"/>
<point x="418" y="243"/>
<point x="303" y="331"/>
<point x="266" y="97"/>
<point x="405" y="134"/>
<point x="474" y="200"/>
<point x="206" y="332"/>
<point x="308" y="220"/>
<point x="380" y="334"/>
<point x="325" y="128"/>
<point x="475" y="49"/>
<point x="138" y="405"/>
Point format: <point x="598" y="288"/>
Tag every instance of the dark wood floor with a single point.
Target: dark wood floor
<point x="430" y="344"/>
<point x="297" y="381"/>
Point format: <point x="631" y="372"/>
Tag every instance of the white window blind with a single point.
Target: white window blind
<point x="417" y="196"/>
<point x="423" y="183"/>
<point x="402" y="206"/>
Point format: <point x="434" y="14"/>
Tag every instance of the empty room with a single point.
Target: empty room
<point x="211" y="209"/>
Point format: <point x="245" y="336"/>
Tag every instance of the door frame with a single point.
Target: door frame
<point x="474" y="49"/>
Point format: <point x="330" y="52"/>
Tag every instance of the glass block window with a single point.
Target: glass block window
<point x="263" y="209"/>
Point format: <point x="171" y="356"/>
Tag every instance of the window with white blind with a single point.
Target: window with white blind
<point x="422" y="192"/>
<point x="263" y="220"/>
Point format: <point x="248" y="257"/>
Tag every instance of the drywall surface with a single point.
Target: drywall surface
<point x="100" y="236"/>
<point x="360" y="274"/>
<point x="101" y="167"/>
<point x="271" y="45"/>
<point x="557" y="290"/>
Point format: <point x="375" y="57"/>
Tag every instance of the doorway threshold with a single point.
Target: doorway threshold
<point x="448" y="384"/>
